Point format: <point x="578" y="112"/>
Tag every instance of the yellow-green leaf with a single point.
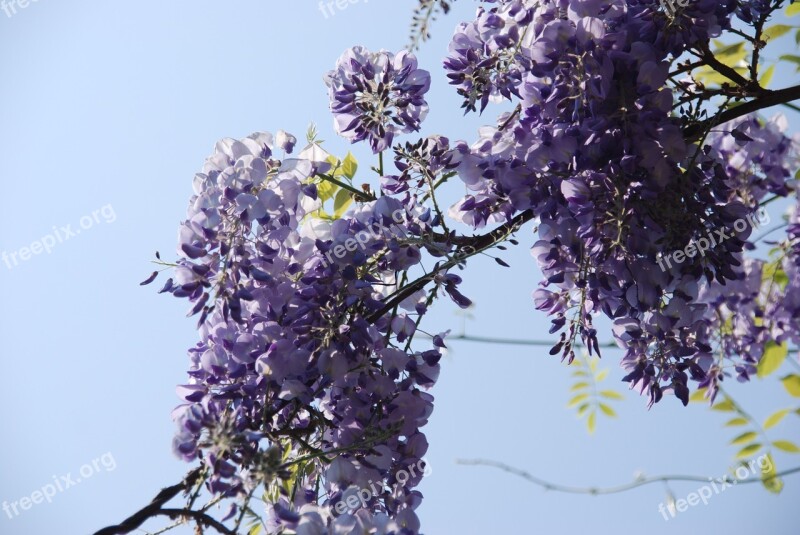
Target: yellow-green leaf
<point x="725" y="405"/>
<point x="698" y="395"/>
<point x="336" y="164"/>
<point x="766" y="78"/>
<point x="773" y="357"/>
<point x="747" y="451"/>
<point x="591" y="421"/>
<point x="744" y="438"/>
<point x="608" y="410"/>
<point x="579" y="386"/>
<point x="733" y="422"/>
<point x="785" y="445"/>
<point x="611" y="394"/>
<point x="775" y="31"/>
<point x="341" y="203"/>
<point x="577" y="399"/>
<point x="730" y="55"/>
<point x="349" y="166"/>
<point x="602" y="374"/>
<point x="582" y="409"/>
<point x="326" y="190"/>
<point x="709" y="76"/>
<point x="255" y="530"/>
<point x="791" y="58"/>
<point x="773" y="274"/>
<point x="775" y="418"/>
<point x="793" y="9"/>
<point x="792" y="385"/>
<point x="768" y="479"/>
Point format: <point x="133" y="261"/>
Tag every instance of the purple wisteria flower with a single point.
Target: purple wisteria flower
<point x="377" y="95"/>
<point x="594" y="151"/>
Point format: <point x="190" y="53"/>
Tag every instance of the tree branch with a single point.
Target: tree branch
<point x="606" y="490"/>
<point x="513" y="341"/>
<point x="476" y="244"/>
<point x="155" y="509"/>
<point x="768" y="99"/>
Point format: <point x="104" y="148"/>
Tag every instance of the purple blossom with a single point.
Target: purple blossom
<point x="377" y="95"/>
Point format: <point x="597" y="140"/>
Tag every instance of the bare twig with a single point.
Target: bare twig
<point x="607" y="490"/>
<point x="155" y="508"/>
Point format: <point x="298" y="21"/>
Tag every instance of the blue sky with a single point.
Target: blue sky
<point x="107" y="109"/>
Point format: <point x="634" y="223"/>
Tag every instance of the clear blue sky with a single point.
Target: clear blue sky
<point x="117" y="104"/>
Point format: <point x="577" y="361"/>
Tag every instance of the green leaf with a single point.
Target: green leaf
<point x="775" y="418"/>
<point x="611" y="394"/>
<point x="602" y="374"/>
<point x="775" y="31"/>
<point x="255" y="530"/>
<point x="730" y="55"/>
<point x="791" y="58"/>
<point x="785" y="445"/>
<point x="579" y="386"/>
<point x="349" y="166"/>
<point x="725" y="405"/>
<point x="744" y="438"/>
<point x="736" y="422"/>
<point x="326" y="190"/>
<point x="336" y="164"/>
<point x="747" y="451"/>
<point x="793" y="9"/>
<point x="792" y="385"/>
<point x="311" y="133"/>
<point x="608" y="410"/>
<point x="582" y="409"/>
<point x="766" y="78"/>
<point x="577" y="399"/>
<point x="341" y="203"/>
<point x="768" y="479"/>
<point x="772" y="359"/>
<point x="698" y="395"/>
<point x="797" y="37"/>
<point x="773" y="273"/>
<point x="709" y="76"/>
<point x="591" y="421"/>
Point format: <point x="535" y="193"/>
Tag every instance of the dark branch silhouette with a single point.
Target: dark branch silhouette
<point x="156" y="508"/>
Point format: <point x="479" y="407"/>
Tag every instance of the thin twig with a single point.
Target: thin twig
<point x="154" y="508"/>
<point x="607" y="490"/>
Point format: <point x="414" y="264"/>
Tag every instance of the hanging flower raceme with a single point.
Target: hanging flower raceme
<point x="296" y="358"/>
<point x="593" y="149"/>
<point x="307" y="380"/>
<point x="377" y="95"/>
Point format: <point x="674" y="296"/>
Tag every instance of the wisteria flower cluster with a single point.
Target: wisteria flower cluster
<point x="309" y="381"/>
<point x="377" y="95"/>
<point x="595" y="152"/>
